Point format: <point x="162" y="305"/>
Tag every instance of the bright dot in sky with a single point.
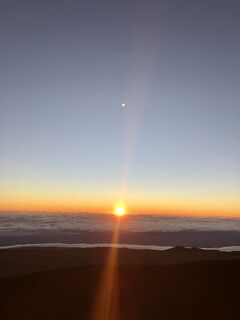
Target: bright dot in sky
<point x="120" y="211"/>
<point x="123" y="104"/>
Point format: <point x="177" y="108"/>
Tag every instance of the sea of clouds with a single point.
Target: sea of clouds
<point x="25" y="222"/>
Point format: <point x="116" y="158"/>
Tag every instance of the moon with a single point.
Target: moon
<point x="123" y="105"/>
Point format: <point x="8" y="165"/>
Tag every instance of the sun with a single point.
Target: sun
<point x="120" y="211"/>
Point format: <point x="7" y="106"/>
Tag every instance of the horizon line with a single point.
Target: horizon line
<point x="177" y="215"/>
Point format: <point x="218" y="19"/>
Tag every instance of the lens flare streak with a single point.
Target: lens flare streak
<point x="105" y="306"/>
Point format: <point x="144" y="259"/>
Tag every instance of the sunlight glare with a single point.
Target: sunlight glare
<point x="119" y="211"/>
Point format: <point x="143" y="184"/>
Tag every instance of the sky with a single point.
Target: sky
<point x="66" y="144"/>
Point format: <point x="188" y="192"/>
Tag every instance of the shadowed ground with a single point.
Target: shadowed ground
<point x="206" y="289"/>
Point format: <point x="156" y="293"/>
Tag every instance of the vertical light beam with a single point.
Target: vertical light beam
<point x="105" y="307"/>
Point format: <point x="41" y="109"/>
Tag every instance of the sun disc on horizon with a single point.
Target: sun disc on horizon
<point x="120" y="211"/>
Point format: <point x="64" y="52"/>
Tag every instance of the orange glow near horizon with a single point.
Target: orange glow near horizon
<point x="140" y="203"/>
<point x="190" y="211"/>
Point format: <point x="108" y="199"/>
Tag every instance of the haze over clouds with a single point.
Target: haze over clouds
<point x="94" y="229"/>
<point x="94" y="222"/>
